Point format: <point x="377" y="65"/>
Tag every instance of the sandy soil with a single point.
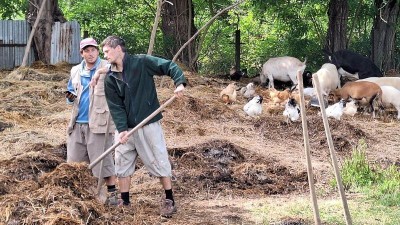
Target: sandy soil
<point x="224" y="160"/>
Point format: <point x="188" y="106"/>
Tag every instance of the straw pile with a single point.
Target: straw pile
<point x="220" y="155"/>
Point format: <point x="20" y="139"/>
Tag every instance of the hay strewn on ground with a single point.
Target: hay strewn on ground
<point x="220" y="155"/>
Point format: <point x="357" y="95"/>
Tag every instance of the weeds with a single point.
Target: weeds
<point x="381" y="185"/>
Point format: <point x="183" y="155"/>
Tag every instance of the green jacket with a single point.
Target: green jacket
<point x="131" y="94"/>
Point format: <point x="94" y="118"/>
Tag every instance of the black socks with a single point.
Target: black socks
<point x="169" y="195"/>
<point x="111" y="188"/>
<point x="125" y="198"/>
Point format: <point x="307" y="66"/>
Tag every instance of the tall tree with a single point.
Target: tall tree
<point x="177" y="27"/>
<point x="42" y="37"/>
<point x="338" y="11"/>
<point x="383" y="34"/>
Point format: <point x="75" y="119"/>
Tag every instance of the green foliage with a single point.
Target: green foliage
<point x="131" y="20"/>
<point x="12" y="9"/>
<point x="387" y="189"/>
<point x="268" y="28"/>
<point x="356" y="172"/>
<point x="379" y="184"/>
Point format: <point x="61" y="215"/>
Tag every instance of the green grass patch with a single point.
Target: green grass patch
<point x="380" y="185"/>
<point x="362" y="211"/>
<point x="377" y="198"/>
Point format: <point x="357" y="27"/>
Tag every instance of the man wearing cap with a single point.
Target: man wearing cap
<point x="90" y="118"/>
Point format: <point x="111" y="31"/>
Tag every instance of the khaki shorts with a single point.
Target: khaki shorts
<point x="149" y="144"/>
<point x="85" y="146"/>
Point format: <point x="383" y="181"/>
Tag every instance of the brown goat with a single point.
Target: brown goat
<point x="359" y="90"/>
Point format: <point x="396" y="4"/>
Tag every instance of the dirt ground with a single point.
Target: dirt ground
<point x="223" y="159"/>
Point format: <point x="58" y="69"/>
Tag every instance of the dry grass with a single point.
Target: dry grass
<point x="220" y="154"/>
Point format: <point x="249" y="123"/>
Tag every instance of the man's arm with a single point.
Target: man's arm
<point x="160" y="66"/>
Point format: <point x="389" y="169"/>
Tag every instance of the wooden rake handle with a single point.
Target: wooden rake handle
<point x="108" y="151"/>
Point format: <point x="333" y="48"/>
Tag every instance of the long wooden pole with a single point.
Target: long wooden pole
<point x="108" y="151"/>
<point x="332" y="151"/>
<point x="310" y="174"/>
<point x="28" y="45"/>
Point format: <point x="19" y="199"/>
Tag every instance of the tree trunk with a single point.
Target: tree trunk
<point x="42" y="37"/>
<point x="338" y="15"/>
<point x="383" y="34"/>
<point x="175" y="28"/>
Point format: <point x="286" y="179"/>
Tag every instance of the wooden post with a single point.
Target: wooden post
<point x="28" y="45"/>
<point x="332" y="151"/>
<point x="237" y="50"/>
<point x="313" y="196"/>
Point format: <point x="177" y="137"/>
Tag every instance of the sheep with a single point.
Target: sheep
<point x="385" y="81"/>
<point x="359" y="90"/>
<point x="281" y="68"/>
<point x="328" y="78"/>
<point x="391" y="96"/>
<point x="228" y="94"/>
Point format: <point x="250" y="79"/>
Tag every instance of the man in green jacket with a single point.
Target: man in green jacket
<point x="131" y="96"/>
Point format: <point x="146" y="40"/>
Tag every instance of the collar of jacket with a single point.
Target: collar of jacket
<point x="96" y="64"/>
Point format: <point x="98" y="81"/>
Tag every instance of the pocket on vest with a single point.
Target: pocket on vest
<point x="100" y="118"/>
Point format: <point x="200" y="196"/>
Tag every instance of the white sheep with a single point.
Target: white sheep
<point x="384" y="81"/>
<point x="391" y="96"/>
<point x="281" y="68"/>
<point x="328" y="78"/>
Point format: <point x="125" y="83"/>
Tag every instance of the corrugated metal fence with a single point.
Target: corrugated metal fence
<point x="14" y="36"/>
<point x="65" y="40"/>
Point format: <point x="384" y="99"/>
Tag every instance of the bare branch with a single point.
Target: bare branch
<point x="28" y="45"/>
<point x="380" y="11"/>
<point x="155" y="25"/>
